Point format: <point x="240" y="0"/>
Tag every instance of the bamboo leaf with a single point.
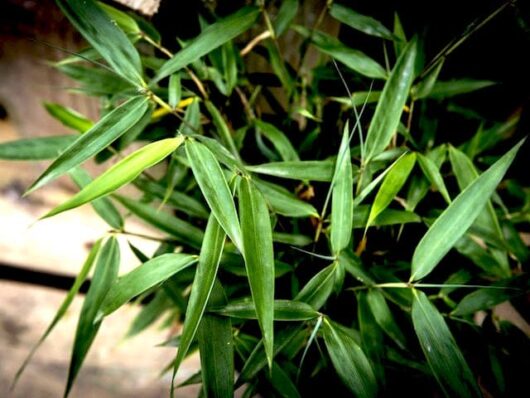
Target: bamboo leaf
<point x="122" y="19"/>
<point x="310" y="170"/>
<point x="342" y="197"/>
<point x="143" y="278"/>
<point x="284" y="310"/>
<point x="259" y="257"/>
<point x="121" y="173"/>
<point x="458" y="217"/>
<point x="319" y="288"/>
<point x="423" y="88"/>
<point x="457" y="87"/>
<point x="384" y="317"/>
<point x="282" y="383"/>
<point x="432" y="172"/>
<point x="102" y="134"/>
<point x="278" y="139"/>
<point x="222" y="128"/>
<point x="69" y="117"/>
<point x="174" y="90"/>
<point x="105" y="274"/>
<point x="442" y="353"/>
<point x="284" y="202"/>
<point x="291" y="239"/>
<point x="394" y="180"/>
<point x="214" y="187"/>
<point x="371" y="334"/>
<point x="285" y="16"/>
<point x="360" y="22"/>
<point x="42" y="148"/>
<point x="105" y="36"/>
<point x="390" y="106"/>
<point x="210" y="38"/>
<point x="149" y="314"/>
<point x="349" y="361"/>
<point x="386" y="217"/>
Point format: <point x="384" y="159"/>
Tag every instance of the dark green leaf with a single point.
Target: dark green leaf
<point x="285" y="16"/>
<point x="384" y="317"/>
<point x="318" y="289"/>
<point x="360" y="22"/>
<point x="284" y="202"/>
<point x="284" y="310"/>
<point x="278" y="139"/>
<point x="457" y="87"/>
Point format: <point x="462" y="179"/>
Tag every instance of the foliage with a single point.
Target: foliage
<point x="325" y="237"/>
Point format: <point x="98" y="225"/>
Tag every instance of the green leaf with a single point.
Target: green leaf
<point x="386" y="217"/>
<point x="371" y="335"/>
<point x="284" y="202"/>
<point x="285" y="16"/>
<point x="79" y="280"/>
<point x="222" y="129"/>
<point x="102" y="134"/>
<point x="259" y="257"/>
<point x="282" y="383"/>
<point x="284" y="310"/>
<point x="69" y="117"/>
<point x="452" y="88"/>
<point x="121" y="173"/>
<point x="390" y="106"/>
<point x="103" y="206"/>
<point x="349" y="361"/>
<point x="42" y="148"/>
<point x="149" y="313"/>
<point x="216" y="346"/>
<point x="182" y="230"/>
<point x="214" y="187"/>
<point x="342" y="197"/>
<point x="210" y="38"/>
<point x="203" y="283"/>
<point x="143" y="278"/>
<point x="394" y="180"/>
<point x="278" y="139"/>
<point x="105" y="274"/>
<point x="124" y="21"/>
<point x="359" y="98"/>
<point x="174" y="90"/>
<point x="360" y="22"/>
<point x="319" y="288"/>
<point x="310" y="170"/>
<point x="424" y="87"/>
<point x="105" y="36"/>
<point x="432" y="172"/>
<point x="443" y="355"/>
<point x="353" y="265"/>
<point x="384" y="317"/>
<point x="458" y="217"/>
<point x="291" y="239"/>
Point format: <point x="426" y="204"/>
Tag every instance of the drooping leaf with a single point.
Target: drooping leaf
<point x="384" y="317"/>
<point x="284" y="310"/>
<point x="42" y="148"/>
<point x="149" y="313"/>
<point x="284" y="202"/>
<point x="222" y="128"/>
<point x="443" y="355"/>
<point x="69" y="117"/>
<point x="390" y="106"/>
<point x="311" y="170"/>
<point x="259" y="257"/>
<point x="102" y="134"/>
<point x="278" y="139"/>
<point x="121" y="173"/>
<point x="105" y="274"/>
<point x="458" y="217"/>
<point x="432" y="172"/>
<point x="360" y="22"/>
<point x="210" y="38"/>
<point x="371" y="335"/>
<point x="281" y="382"/>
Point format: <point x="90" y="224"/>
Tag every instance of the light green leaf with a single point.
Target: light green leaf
<point x="284" y="202"/>
<point x="69" y="117"/>
<point x="105" y="36"/>
<point x="124" y="21"/>
<point x="102" y="134"/>
<point x="174" y="90"/>
<point x="384" y="317"/>
<point x="214" y="187"/>
<point x="394" y="180"/>
<point x="121" y="173"/>
<point x="310" y="170"/>
<point x="452" y="88"/>
<point x="42" y="148"/>
<point x="342" y="197"/>
<point x="442" y="353"/>
<point x="285" y="16"/>
<point x="284" y="310"/>
<point x="210" y="38"/>
<point x="458" y="217"/>
<point x="360" y="22"/>
<point x="143" y="278"/>
<point x="432" y="172"/>
<point x="349" y="361"/>
<point x="259" y="257"/>
<point x="278" y="139"/>
<point x="105" y="274"/>
<point x="390" y="106"/>
<point x="182" y="230"/>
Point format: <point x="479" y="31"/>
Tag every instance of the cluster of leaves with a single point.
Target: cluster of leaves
<point x="297" y="243"/>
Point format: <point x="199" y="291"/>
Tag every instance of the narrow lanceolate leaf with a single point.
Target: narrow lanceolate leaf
<point x="432" y="172"/>
<point x="105" y="274"/>
<point x="222" y="128"/>
<point x="386" y="217"/>
<point x="458" y="217"/>
<point x="342" y="197"/>
<point x="212" y="37"/>
<point x="394" y="180"/>
<point x="279" y="140"/>
<point x="318" y="289"/>
<point x="423" y="88"/>
<point x="442" y="353"/>
<point x="259" y="257"/>
<point x="105" y="36"/>
<point x="42" y="148"/>
<point x="144" y="277"/>
<point x="360" y="22"/>
<point x="121" y="173"/>
<point x="284" y="202"/>
<point x="291" y="239"/>
<point x="384" y="317"/>
<point x="349" y="361"/>
<point x="69" y="117"/>
<point x="216" y="346"/>
<point x="102" y="134"/>
<point x="285" y="16"/>
<point x="182" y="230"/>
<point x="390" y="106"/>
<point x="80" y="278"/>
<point x="214" y="187"/>
<point x="457" y="87"/>
<point x="371" y="335"/>
<point x="209" y="257"/>
<point x="174" y="90"/>
<point x="284" y="310"/>
<point x="103" y="206"/>
<point x="310" y="170"/>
